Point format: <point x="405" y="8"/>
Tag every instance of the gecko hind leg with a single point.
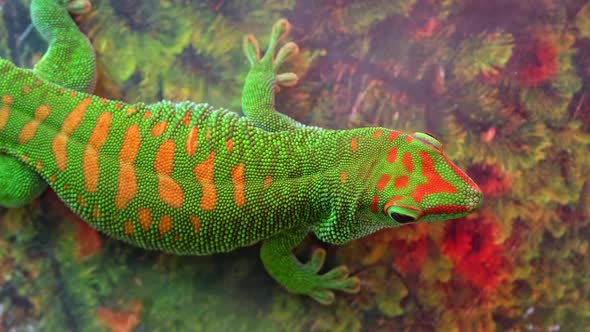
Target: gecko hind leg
<point x="69" y="62"/>
<point x="263" y="81"/>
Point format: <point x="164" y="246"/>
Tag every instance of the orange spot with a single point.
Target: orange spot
<point x="72" y="94"/>
<point x="146" y="115"/>
<point x="196" y="224"/>
<point x="7" y="100"/>
<point x="168" y="190"/>
<point x="164" y="159"/>
<point x="208" y="134"/>
<point x="90" y="157"/>
<point x="401" y="182"/>
<point x="375" y="204"/>
<point x="24" y="158"/>
<point x="191" y="141"/>
<point x="159" y="128"/>
<point x="130" y="111"/>
<point x="393" y="135"/>
<point x="128" y="226"/>
<point x="186" y="119"/>
<point x="409" y="139"/>
<point x="237" y="177"/>
<point x="127" y="182"/>
<point x="62" y="91"/>
<point x="26" y="89"/>
<point x="145" y="218"/>
<point x="267" y="181"/>
<point x="30" y="129"/>
<point x="383" y="181"/>
<point x="52" y="178"/>
<point x="39" y="165"/>
<point x="343" y="176"/>
<point x="165" y="225"/>
<point x="66" y="187"/>
<point x="96" y="212"/>
<point x="407" y="161"/>
<point x="377" y="133"/>
<point x="70" y="123"/>
<point x="38" y="82"/>
<point x="204" y="174"/>
<point x="229" y="144"/>
<point x="103" y="101"/>
<point x="117" y="105"/>
<point x="392" y="155"/>
<point x="353" y="144"/>
<point x="81" y="201"/>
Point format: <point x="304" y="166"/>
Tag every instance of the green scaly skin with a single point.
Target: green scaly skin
<point x="189" y="179"/>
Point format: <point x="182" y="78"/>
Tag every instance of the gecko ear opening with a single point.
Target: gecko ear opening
<point x="402" y="215"/>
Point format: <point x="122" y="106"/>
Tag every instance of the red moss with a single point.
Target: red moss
<point x="490" y="178"/>
<point x="120" y="321"/>
<point x="89" y="241"/>
<point x="470" y="244"/>
<point x="410" y="256"/>
<point x="538" y="61"/>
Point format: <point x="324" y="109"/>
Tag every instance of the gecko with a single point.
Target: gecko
<point x="190" y="179"/>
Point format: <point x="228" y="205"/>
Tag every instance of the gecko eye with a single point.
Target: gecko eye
<point x="429" y="139"/>
<point x="401" y="214"/>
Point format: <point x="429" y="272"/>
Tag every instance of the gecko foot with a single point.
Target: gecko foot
<point x="336" y="279"/>
<point x="269" y="63"/>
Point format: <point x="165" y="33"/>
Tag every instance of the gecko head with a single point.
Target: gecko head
<point x="414" y="181"/>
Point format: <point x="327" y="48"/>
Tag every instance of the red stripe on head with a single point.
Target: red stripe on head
<point x="461" y="174"/>
<point x="434" y="184"/>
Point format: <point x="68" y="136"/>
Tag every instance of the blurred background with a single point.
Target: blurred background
<point x="503" y="84"/>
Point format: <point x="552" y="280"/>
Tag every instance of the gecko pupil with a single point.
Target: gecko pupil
<point x="401" y="218"/>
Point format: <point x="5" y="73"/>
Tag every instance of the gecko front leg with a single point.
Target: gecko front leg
<point x="262" y="80"/>
<point x="283" y="266"/>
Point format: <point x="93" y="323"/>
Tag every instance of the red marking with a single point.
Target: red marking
<point x="434" y="182"/>
<point x="353" y="144"/>
<point x="409" y="139"/>
<point x="159" y="128"/>
<point x="165" y="225"/>
<point x="128" y="226"/>
<point x="229" y="144"/>
<point x="393" y="135"/>
<point x="461" y="174"/>
<point x="130" y="111"/>
<point x="407" y="161"/>
<point x="267" y="181"/>
<point x="26" y="89"/>
<point x="343" y="177"/>
<point x="187" y="118"/>
<point x="103" y="101"/>
<point x="401" y="182"/>
<point x="237" y="177"/>
<point x="147" y="115"/>
<point x="382" y="182"/>
<point x="196" y="224"/>
<point x="191" y="141"/>
<point x="72" y="94"/>
<point x="377" y="133"/>
<point x="392" y="155"/>
<point x="145" y="218"/>
<point x="7" y="100"/>
<point x="118" y="105"/>
<point x="375" y="204"/>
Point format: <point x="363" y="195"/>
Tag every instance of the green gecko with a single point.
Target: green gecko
<point x="186" y="178"/>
